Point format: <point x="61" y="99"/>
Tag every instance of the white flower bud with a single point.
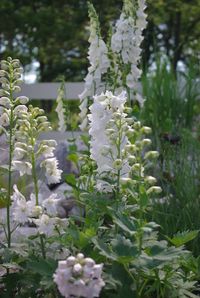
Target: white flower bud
<point x="4" y="120"/>
<point x="16" y="89"/>
<point x="42" y="119"/>
<point x="80" y="256"/>
<point x="131" y="148"/>
<point x="151" y="155"/>
<point x="5" y="101"/>
<point x="125" y="180"/>
<point x="22" y="99"/>
<point x="154" y="189"/>
<point x="137" y="125"/>
<point x="89" y="262"/>
<point x="4" y="80"/>
<point x="4" y="92"/>
<point x="146" y="130"/>
<point x="3" y="73"/>
<point x="130" y="121"/>
<point x="130" y="132"/>
<point x="136" y="167"/>
<point x="150" y="179"/>
<point x="71" y="261"/>
<point x="131" y="159"/>
<point x="20" y="110"/>
<point x="146" y="142"/>
<point x="117" y="164"/>
<point x="77" y="269"/>
<point x="37" y="211"/>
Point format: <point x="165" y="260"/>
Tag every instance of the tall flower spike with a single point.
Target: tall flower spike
<point x="60" y="109"/>
<point x="99" y="64"/>
<point x="28" y="149"/>
<point x="125" y="44"/>
<point x="108" y="138"/>
<point x="10" y="111"/>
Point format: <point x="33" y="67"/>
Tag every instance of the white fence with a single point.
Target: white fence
<point x="45" y="91"/>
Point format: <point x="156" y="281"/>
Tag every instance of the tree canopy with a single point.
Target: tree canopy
<point x="54" y="32"/>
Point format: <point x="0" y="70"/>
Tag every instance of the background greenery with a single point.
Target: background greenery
<point x="53" y="33"/>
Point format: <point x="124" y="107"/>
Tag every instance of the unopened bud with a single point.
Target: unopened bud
<point x="151" y="155"/>
<point x="146" y="142"/>
<point x="154" y="189"/>
<point x="117" y="164"/>
<point x="146" y="130"/>
<point x="150" y="179"/>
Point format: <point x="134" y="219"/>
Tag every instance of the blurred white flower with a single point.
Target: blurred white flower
<point x="45" y="224"/>
<point x="4" y="120"/>
<point x="23" y="167"/>
<point x="53" y="174"/>
<point x="99" y="64"/>
<point x="50" y="205"/>
<point x="79" y="277"/>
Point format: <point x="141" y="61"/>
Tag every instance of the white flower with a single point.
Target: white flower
<point x="106" y="109"/>
<point x="20" y="110"/>
<point x="19" y="153"/>
<point x="79" y="277"/>
<point x="22" y="99"/>
<point x="50" y="205"/>
<point x="4" y="120"/>
<point x="99" y="64"/>
<point x="21" y="209"/>
<point x="125" y="44"/>
<point x="53" y="174"/>
<point x="46" y="150"/>
<point x="5" y="102"/>
<point x="23" y="167"/>
<point x="45" y="225"/>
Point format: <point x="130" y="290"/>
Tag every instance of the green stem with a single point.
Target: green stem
<point x="36" y="188"/>
<point x="10" y="165"/>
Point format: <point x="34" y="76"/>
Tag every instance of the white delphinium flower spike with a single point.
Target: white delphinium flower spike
<point x="79" y="277"/>
<point x="108" y="135"/>
<point x="28" y="148"/>
<point x="60" y="109"/>
<point x="99" y="64"/>
<point x="125" y="44"/>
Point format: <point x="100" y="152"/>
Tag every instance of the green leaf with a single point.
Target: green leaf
<point x="124" y="249"/>
<point x="125" y="224"/>
<point x="182" y="238"/>
<point x="42" y="267"/>
<point x="71" y="180"/>
<point x="104" y="249"/>
<point x="73" y="157"/>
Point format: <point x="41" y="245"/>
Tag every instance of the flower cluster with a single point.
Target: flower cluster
<point x="60" y="109"/>
<point x="31" y="122"/>
<point x="44" y="215"/>
<point x="107" y="130"/>
<point x="125" y="43"/>
<point x="79" y="277"/>
<point x="99" y="63"/>
<point x="118" y="143"/>
<point x="10" y="107"/>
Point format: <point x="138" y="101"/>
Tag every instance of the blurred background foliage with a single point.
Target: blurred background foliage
<point x="52" y="32"/>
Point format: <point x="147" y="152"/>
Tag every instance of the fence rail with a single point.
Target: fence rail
<point x="48" y="91"/>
